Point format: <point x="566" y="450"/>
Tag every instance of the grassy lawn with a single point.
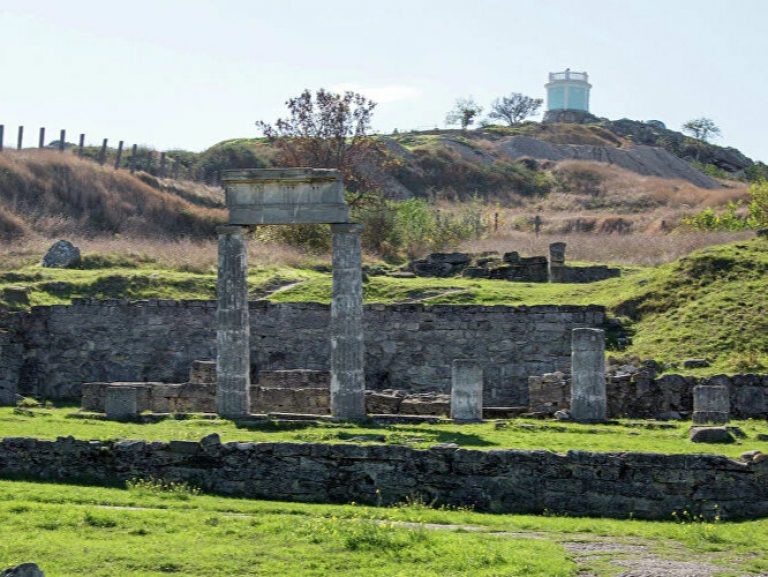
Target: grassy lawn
<point x="514" y="434"/>
<point x="149" y="530"/>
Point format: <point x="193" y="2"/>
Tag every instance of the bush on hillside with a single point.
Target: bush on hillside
<point x="229" y="155"/>
<point x="736" y="216"/>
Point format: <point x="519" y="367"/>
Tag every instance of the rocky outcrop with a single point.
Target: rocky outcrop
<point x="642" y="159"/>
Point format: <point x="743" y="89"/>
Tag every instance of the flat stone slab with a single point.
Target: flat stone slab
<point x="285" y="196"/>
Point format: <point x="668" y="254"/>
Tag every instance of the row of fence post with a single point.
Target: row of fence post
<point x="102" y="156"/>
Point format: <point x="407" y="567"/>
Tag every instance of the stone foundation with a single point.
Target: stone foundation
<point x="621" y="485"/>
<point x="640" y="394"/>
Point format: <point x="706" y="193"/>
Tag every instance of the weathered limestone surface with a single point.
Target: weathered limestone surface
<point x="637" y="392"/>
<point x="556" y="261"/>
<point x="644" y="485"/>
<point x="285" y="196"/>
<point x="588" y="396"/>
<point x="346" y="329"/>
<point x="711" y="404"/>
<point x="123" y="402"/>
<point x="233" y="364"/>
<point x="467" y="390"/>
<point x="409" y="347"/>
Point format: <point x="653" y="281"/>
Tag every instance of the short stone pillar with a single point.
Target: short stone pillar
<point x="711" y="404"/>
<point x="121" y="402"/>
<point x="466" y="391"/>
<point x="556" y="261"/>
<point x="347" y="347"/>
<point x="588" y="396"/>
<point x="233" y="359"/>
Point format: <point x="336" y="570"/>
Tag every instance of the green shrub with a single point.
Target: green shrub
<point x="756" y="215"/>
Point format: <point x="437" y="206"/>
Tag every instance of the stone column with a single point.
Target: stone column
<point x="711" y="404"/>
<point x="556" y="261"/>
<point x="466" y="391"/>
<point x="347" y="347"/>
<point x="233" y="358"/>
<point x="588" y="397"/>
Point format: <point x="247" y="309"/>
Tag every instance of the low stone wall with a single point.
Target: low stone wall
<point x="588" y="274"/>
<point x="651" y="486"/>
<point x="642" y="395"/>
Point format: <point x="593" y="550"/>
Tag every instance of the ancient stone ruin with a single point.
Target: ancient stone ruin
<point x="511" y="267"/>
<point x="288" y="196"/>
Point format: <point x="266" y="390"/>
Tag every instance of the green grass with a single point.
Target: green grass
<point x="514" y="434"/>
<point x="711" y="304"/>
<point x="74" y="530"/>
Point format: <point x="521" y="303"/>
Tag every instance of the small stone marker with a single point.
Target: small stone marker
<point x="711" y="435"/>
<point x="121" y="403"/>
<point x="588" y="396"/>
<point x="711" y="404"/>
<point x="466" y="391"/>
<point x="62" y="254"/>
<point x="556" y="261"/>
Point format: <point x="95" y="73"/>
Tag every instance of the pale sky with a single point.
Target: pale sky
<point x="188" y="74"/>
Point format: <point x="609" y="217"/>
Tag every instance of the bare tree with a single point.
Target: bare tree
<point x="701" y="128"/>
<point x="514" y="108"/>
<point x="464" y="113"/>
<point x="327" y="130"/>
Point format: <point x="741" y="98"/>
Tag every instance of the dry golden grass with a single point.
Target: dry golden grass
<point x="640" y="249"/>
<point x="54" y="194"/>
<point x="185" y="254"/>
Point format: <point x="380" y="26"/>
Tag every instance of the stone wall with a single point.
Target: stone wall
<point x="11" y="356"/>
<point x="588" y="274"/>
<point x="648" y="485"/>
<point x="408" y="347"/>
<point x="640" y="394"/>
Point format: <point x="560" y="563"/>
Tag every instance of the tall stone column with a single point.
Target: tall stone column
<point x="588" y="396"/>
<point x="347" y="347"/>
<point x="556" y="261"/>
<point x="233" y="358"/>
<point x="466" y="391"/>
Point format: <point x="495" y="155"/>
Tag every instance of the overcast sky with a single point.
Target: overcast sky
<point x="190" y="73"/>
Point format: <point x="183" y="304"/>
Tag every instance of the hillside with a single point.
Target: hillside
<point x="709" y="304"/>
<point x="50" y="194"/>
<point x="520" y="163"/>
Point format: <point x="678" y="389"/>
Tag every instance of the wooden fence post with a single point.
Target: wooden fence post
<point x="162" y="165"/>
<point x="81" y="146"/>
<point x="41" y="142"/>
<point x="133" y="159"/>
<point x="2" y="136"/>
<point x="20" y="139"/>
<point x="119" y="154"/>
<point x="176" y="169"/>
<point x="62" y="140"/>
<point x="103" y="152"/>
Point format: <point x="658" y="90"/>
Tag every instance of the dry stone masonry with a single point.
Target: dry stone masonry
<point x="643" y="485"/>
<point x="511" y="266"/>
<point x="637" y="392"/>
<point x="53" y="350"/>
